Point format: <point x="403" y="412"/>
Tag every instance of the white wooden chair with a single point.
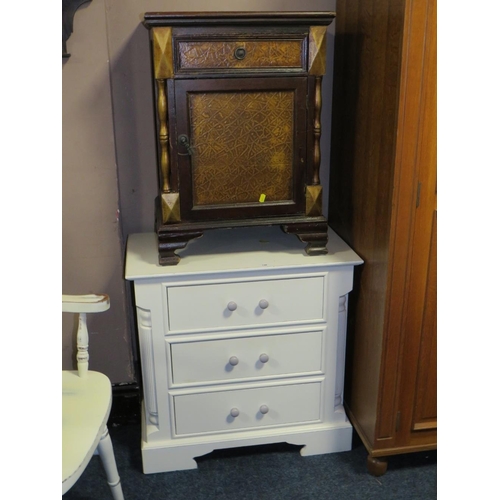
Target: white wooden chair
<point x="86" y="403"/>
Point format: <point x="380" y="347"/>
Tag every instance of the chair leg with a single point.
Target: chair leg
<point x="105" y="448"/>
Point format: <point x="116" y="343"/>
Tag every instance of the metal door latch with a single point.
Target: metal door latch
<point x="183" y="140"/>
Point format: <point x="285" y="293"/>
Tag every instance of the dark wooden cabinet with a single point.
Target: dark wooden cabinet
<point x="383" y="203"/>
<point x="238" y="103"/>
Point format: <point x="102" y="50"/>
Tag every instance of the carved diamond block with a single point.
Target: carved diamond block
<point x="162" y="53"/>
<point x="317" y="50"/>
<point x="314" y="200"/>
<point x="170" y="207"/>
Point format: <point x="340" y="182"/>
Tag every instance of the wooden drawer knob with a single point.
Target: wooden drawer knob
<point x="234" y="412"/>
<point x="232" y="306"/>
<point x="263" y="358"/>
<point x="263" y="304"/>
<point x="233" y="360"/>
<point x="264" y="409"/>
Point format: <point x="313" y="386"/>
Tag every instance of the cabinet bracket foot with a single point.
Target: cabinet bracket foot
<point x="315" y="234"/>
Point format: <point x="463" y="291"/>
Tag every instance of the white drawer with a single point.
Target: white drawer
<point x="248" y="357"/>
<point x="241" y="304"/>
<point x="211" y="411"/>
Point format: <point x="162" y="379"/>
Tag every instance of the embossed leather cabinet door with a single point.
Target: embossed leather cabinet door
<point x="247" y="144"/>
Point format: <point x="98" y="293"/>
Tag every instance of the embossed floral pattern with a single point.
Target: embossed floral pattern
<point x="259" y="54"/>
<point x="242" y="146"/>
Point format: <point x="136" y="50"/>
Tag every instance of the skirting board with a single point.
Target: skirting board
<point x="126" y="406"/>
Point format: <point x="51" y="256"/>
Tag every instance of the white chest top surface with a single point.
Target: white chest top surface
<point x="220" y="250"/>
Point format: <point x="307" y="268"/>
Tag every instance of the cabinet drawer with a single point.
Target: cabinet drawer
<point x="257" y="356"/>
<point x="241" y="304"/>
<point x="240" y="54"/>
<point x="211" y="412"/>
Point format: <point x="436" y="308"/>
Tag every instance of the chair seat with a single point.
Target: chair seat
<point x="86" y="404"/>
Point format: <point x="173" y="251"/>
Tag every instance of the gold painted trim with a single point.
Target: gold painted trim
<point x="162" y="53"/>
<point x="170" y="208"/>
<point x="164" y="157"/>
<point x="314" y="200"/>
<point x="317" y="50"/>
<point x="317" y="130"/>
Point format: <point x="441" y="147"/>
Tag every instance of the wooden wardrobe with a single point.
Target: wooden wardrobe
<point x="382" y="201"/>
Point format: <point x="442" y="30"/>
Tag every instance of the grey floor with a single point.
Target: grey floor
<point x="272" y="472"/>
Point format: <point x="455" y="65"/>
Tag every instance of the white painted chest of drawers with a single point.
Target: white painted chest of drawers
<point x="242" y="343"/>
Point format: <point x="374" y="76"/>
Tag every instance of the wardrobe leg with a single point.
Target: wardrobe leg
<point x="376" y="466"/>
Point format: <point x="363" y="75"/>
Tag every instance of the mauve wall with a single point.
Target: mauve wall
<point x="92" y="247"/>
<point x="109" y="162"/>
